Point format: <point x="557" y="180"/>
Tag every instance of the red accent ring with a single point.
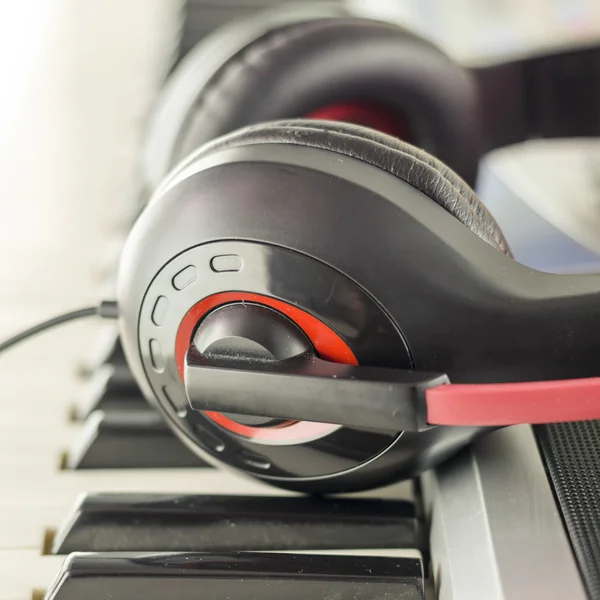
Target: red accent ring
<point x="375" y="117"/>
<point x="328" y="344"/>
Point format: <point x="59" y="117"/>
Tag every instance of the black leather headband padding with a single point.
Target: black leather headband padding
<point x="298" y="68"/>
<point x="398" y="158"/>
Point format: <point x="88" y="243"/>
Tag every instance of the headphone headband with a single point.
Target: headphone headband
<point x="549" y="96"/>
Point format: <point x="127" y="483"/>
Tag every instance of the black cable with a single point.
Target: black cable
<point x="106" y="309"/>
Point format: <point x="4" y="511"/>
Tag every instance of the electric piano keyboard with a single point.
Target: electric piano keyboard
<point x="73" y="527"/>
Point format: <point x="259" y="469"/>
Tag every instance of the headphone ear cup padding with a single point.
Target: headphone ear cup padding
<point x="295" y="69"/>
<point x="412" y="165"/>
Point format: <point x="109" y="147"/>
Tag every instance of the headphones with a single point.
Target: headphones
<point x="320" y="304"/>
<point x="318" y="61"/>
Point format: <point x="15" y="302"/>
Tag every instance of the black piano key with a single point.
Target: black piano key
<point x="115" y="354"/>
<point x="239" y="576"/>
<point x="121" y="379"/>
<point x="213" y="523"/>
<point x="110" y="352"/>
<point x="129" y="440"/>
<point x="111" y="388"/>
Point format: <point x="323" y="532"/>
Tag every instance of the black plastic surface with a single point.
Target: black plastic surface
<point x="305" y="387"/>
<point x="110" y="403"/>
<point x="130" y="440"/>
<point x="250" y="331"/>
<point x="121" y="379"/>
<point x="462" y="307"/>
<point x="311" y="286"/>
<point x="110" y="388"/>
<point x="551" y="96"/>
<point x="146" y="522"/>
<point x="278" y="67"/>
<point x="571" y="453"/>
<point x="242" y="576"/>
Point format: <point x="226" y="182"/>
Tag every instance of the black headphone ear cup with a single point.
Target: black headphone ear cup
<point x="410" y="164"/>
<point x="308" y="209"/>
<point x="204" y="68"/>
<point x="290" y="70"/>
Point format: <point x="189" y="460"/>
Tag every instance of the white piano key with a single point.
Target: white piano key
<point x="42" y="415"/>
<point x="62" y="488"/>
<point x="27" y="462"/>
<point x="24" y="385"/>
<point x="24" y="528"/>
<point x="35" y="440"/>
<point x="23" y="571"/>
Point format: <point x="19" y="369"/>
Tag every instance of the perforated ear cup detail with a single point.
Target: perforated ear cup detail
<point x="291" y="70"/>
<point x="414" y="166"/>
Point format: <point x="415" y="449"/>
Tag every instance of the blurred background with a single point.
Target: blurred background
<point x="79" y="78"/>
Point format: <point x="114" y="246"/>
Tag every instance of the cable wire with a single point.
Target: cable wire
<point x="106" y="309"/>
